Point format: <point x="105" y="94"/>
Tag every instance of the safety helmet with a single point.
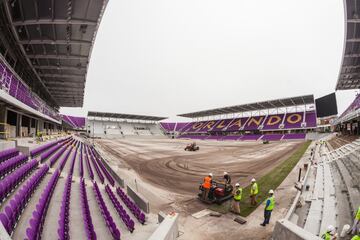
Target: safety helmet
<point x="271" y="191"/>
<point x="225" y="173"/>
<point x="330" y="229"/>
<point x="210" y="174"/>
<point x="253" y="180"/>
<point x="237" y="184"/>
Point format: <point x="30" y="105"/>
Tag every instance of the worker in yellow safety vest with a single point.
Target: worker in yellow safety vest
<point x="269" y="206"/>
<point x="330" y="233"/>
<point x="237" y="199"/>
<point x="356" y="222"/>
<point x="254" y="190"/>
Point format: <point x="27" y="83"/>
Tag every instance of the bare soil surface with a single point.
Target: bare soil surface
<point x="164" y="164"/>
<point x="169" y="178"/>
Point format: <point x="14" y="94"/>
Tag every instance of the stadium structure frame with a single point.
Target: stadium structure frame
<point x="120" y="117"/>
<point x="277" y="106"/>
<point x="349" y="74"/>
<point x="56" y="42"/>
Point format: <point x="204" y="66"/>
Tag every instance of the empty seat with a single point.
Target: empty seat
<point x="36" y="223"/>
<point x="106" y="214"/>
<point x="18" y="202"/>
<point x="9" y="153"/>
<point x="89" y="228"/>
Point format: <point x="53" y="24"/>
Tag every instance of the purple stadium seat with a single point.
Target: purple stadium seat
<point x="131" y="205"/>
<point x="63" y="230"/>
<point x="75" y="122"/>
<point x="12" y="164"/>
<point x="291" y="136"/>
<point x="7" y="154"/>
<point x="272" y="137"/>
<point x="15" y="206"/>
<point x="38" y="218"/>
<point x="95" y="164"/>
<point x="21" y="92"/>
<point x="98" y="160"/>
<point x="120" y="210"/>
<point x="89" y="228"/>
<point x="105" y="212"/>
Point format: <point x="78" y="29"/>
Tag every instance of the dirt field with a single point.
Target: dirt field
<point x="169" y="177"/>
<point x="164" y="164"/>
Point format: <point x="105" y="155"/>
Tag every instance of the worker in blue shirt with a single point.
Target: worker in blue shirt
<point x="269" y="206"/>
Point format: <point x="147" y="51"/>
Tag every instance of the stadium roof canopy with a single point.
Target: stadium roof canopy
<point x="279" y="103"/>
<point x="55" y="40"/>
<point x="349" y="76"/>
<point x="125" y="116"/>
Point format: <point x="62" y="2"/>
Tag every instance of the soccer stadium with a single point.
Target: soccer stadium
<point x="280" y="168"/>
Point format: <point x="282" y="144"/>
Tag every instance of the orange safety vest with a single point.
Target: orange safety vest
<point x="207" y="182"/>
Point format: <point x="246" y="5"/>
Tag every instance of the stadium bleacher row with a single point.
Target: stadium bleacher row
<point x="21" y="178"/>
<point x="298" y="120"/>
<point x="33" y="232"/>
<point x="251" y="137"/>
<point x="17" y="89"/>
<point x="63" y="230"/>
<point x="351" y="109"/>
<point x="75" y="122"/>
<point x="267" y="127"/>
<point x="333" y="196"/>
<point x="122" y="129"/>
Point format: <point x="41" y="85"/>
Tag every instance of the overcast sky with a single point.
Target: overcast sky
<point x="166" y="57"/>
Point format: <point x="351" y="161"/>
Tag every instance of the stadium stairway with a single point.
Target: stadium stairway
<point x="345" y="165"/>
<point x="322" y="198"/>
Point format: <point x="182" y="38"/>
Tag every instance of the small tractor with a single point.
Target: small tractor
<point x="219" y="193"/>
<point x="192" y="147"/>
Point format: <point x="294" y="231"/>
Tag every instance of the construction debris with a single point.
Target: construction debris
<point x="240" y="220"/>
<point x="215" y="214"/>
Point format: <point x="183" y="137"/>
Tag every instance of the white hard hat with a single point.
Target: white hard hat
<point x="237" y="184"/>
<point x="331" y="229"/>
<point x="225" y="173"/>
<point x="253" y="180"/>
<point x="271" y="191"/>
<point x="210" y="174"/>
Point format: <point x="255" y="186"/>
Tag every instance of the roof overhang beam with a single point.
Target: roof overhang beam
<point x="54" y="42"/>
<point x="353" y="20"/>
<point x="352" y="55"/>
<point x="54" y="22"/>
<point x="45" y="56"/>
<point x="62" y="75"/>
<point x="62" y="84"/>
<point x="60" y="67"/>
<point x="353" y="40"/>
<point x="350" y="66"/>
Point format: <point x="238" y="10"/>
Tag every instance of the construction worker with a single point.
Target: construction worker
<point x="330" y="233"/>
<point x="356" y="222"/>
<point x="227" y="178"/>
<point x="254" y="190"/>
<point x="269" y="206"/>
<point x="237" y="199"/>
<point x="207" y="185"/>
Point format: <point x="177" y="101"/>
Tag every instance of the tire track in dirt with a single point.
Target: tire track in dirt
<point x="167" y="165"/>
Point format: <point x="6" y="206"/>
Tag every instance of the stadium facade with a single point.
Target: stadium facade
<point x="45" y="51"/>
